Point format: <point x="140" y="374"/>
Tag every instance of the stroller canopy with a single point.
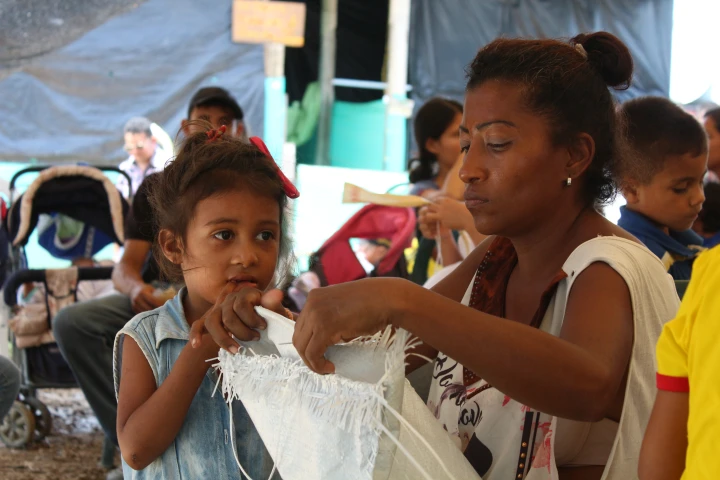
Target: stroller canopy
<point x="79" y="192"/>
<point x="371" y="222"/>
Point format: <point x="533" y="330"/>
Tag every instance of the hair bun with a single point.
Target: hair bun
<point x="609" y="56"/>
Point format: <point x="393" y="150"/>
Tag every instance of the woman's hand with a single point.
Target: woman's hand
<point x="429" y="225"/>
<point x="234" y="315"/>
<point x="342" y="312"/>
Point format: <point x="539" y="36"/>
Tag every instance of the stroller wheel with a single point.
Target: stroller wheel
<point x="43" y="419"/>
<point x="18" y="427"/>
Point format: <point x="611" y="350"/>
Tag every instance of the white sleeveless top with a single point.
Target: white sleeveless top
<point x="500" y="435"/>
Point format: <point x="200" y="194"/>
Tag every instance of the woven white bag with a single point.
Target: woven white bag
<point x="364" y="422"/>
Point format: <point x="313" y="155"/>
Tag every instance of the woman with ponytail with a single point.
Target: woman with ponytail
<point x="438" y="141"/>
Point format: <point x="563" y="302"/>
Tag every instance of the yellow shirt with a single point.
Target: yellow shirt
<point x="688" y="355"/>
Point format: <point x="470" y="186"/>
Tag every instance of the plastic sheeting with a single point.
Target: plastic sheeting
<point x="445" y="35"/>
<point x="71" y="104"/>
<point x="30" y="28"/>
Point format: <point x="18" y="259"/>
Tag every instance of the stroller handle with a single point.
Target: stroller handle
<point x="17" y="279"/>
<point x="41" y="168"/>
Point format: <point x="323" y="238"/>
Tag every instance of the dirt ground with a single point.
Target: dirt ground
<point x="71" y="451"/>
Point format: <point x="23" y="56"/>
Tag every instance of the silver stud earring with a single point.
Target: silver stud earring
<point x="568" y="182"/>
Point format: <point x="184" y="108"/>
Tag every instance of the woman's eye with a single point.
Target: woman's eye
<point x="224" y="235"/>
<point x="498" y="146"/>
<point x="680" y="191"/>
<point x="266" y="235"/>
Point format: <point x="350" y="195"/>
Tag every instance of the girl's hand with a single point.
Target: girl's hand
<point x="234" y="314"/>
<point x="343" y="312"/>
<point x="208" y="348"/>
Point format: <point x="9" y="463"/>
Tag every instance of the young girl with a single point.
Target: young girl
<point x="437" y="137"/>
<point x="220" y="209"/>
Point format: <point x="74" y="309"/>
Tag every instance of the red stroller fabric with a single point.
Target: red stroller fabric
<point x="336" y="257"/>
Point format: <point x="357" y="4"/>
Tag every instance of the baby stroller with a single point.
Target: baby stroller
<point x="336" y="261"/>
<point x="85" y="196"/>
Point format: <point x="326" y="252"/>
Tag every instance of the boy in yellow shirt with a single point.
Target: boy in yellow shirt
<point x="683" y="436"/>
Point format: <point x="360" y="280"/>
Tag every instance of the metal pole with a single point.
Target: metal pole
<point x="397" y="106"/>
<point x="275" y="114"/>
<point x="326" y="74"/>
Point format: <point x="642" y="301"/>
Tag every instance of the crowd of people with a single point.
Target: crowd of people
<point x="543" y="325"/>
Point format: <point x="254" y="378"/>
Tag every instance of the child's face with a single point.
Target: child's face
<point x="232" y="237"/>
<point x="674" y="196"/>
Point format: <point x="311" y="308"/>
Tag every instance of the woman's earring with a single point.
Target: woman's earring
<point x="568" y="182"/>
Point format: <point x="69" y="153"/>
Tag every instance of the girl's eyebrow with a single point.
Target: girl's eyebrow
<point x="218" y="221"/>
<point x="271" y="223"/>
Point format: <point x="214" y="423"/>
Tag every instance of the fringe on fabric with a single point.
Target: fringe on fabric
<point x="357" y="407"/>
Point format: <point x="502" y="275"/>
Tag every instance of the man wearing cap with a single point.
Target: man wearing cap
<point x="85" y="331"/>
<point x="216" y="106"/>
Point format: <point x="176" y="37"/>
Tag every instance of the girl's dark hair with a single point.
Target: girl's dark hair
<point x="568" y="85"/>
<point x="714" y="113"/>
<point x="431" y="121"/>
<point x="202" y="169"/>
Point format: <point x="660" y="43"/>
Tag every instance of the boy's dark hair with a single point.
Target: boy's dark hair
<point x="715" y="115"/>
<point x="657" y="128"/>
<point x="202" y="169"/>
<point x="568" y="85"/>
<point x="431" y="121"/>
<point x="138" y="125"/>
<point x="710" y="213"/>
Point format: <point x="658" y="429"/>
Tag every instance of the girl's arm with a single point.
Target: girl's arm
<point x="149" y="418"/>
<point x="663" y="450"/>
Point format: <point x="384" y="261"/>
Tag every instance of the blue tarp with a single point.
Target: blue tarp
<point x="446" y="35"/>
<point x="71" y="104"/>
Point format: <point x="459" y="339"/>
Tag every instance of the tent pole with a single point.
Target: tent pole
<point x="326" y="74"/>
<point x="397" y="107"/>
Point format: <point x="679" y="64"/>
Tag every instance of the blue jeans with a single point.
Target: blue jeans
<point x="9" y="385"/>
<point x="85" y="333"/>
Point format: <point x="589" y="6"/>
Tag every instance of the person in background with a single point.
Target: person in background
<point x="707" y="224"/>
<point x="94" y="324"/>
<point x="663" y="185"/>
<point x="712" y="127"/>
<point x="9" y="385"/>
<point x="437" y="137"/>
<point x="145" y="155"/>
<point x="683" y="435"/>
<point x="216" y="106"/>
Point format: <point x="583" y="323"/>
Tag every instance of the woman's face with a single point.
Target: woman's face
<point x="514" y="175"/>
<point x="447" y="147"/>
<point x="713" y="144"/>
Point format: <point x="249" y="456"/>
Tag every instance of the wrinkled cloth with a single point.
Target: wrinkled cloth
<point x="341" y="426"/>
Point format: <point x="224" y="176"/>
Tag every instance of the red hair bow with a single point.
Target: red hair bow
<point x="216" y="133"/>
<point x="288" y="187"/>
